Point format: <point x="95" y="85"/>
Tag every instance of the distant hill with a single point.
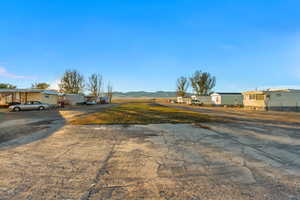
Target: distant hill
<point x="158" y="94"/>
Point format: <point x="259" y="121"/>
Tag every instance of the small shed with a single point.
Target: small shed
<point x="230" y="99"/>
<point x="273" y="99"/>
<point x="74" y="99"/>
<point x="9" y="96"/>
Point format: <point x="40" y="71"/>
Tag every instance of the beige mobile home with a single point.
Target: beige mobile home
<point x="231" y="99"/>
<point x="9" y="96"/>
<point x="281" y="100"/>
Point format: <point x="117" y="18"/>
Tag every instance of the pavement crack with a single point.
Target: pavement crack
<point x="102" y="170"/>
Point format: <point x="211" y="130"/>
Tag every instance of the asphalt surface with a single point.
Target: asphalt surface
<point x="17" y="128"/>
<point x="252" y="155"/>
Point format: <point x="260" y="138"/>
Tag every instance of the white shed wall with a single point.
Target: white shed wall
<point x="206" y="100"/>
<point x="74" y="99"/>
<point x="232" y="99"/>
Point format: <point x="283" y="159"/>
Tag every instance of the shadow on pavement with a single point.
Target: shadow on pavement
<point x="20" y="128"/>
<point x="25" y="127"/>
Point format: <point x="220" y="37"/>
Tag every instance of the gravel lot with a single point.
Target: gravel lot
<point x="252" y="155"/>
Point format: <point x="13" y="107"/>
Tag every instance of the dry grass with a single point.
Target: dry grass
<point x="141" y="113"/>
<point x="142" y="100"/>
<point x="133" y="100"/>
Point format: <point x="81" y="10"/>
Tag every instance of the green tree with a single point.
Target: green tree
<point x="72" y="82"/>
<point x="42" y="86"/>
<point x="95" y="84"/>
<point x="109" y="92"/>
<point x="182" y="86"/>
<point x="7" y="86"/>
<point x="202" y="83"/>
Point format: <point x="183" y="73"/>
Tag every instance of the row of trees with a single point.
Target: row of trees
<point x="73" y="82"/>
<point x="33" y="86"/>
<point x="7" y="86"/>
<point x="42" y="86"/>
<point x="201" y="82"/>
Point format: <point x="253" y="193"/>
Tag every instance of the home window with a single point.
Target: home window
<point x="260" y="97"/>
<point x="252" y="96"/>
<point x="256" y="97"/>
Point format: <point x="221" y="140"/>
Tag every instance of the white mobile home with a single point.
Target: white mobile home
<point x="202" y="100"/>
<point x="276" y="99"/>
<point x="231" y="99"/>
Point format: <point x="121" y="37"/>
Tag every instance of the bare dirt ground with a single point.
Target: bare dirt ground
<point x="253" y="155"/>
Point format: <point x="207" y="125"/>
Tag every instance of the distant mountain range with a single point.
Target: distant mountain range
<point x="158" y="94"/>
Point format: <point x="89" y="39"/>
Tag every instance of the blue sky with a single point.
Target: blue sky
<point x="146" y="45"/>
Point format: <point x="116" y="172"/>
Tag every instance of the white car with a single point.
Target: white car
<point x="31" y="105"/>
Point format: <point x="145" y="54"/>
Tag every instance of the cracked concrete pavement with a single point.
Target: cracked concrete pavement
<point x="240" y="159"/>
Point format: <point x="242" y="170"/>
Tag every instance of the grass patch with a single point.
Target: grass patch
<point x="141" y="113"/>
<point x="133" y="100"/>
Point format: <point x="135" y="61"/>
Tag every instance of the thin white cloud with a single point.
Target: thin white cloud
<point x="5" y="73"/>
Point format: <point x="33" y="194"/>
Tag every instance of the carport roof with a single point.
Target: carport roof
<point x="50" y="92"/>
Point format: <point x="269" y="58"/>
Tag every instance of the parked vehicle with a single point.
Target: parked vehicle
<point x="31" y="105"/>
<point x="172" y="101"/>
<point x="196" y="102"/>
<point x="14" y="103"/>
<point x="91" y="103"/>
<point x="104" y="100"/>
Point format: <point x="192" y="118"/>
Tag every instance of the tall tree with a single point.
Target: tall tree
<point x="109" y="92"/>
<point x="7" y="86"/>
<point x="72" y="82"/>
<point x="202" y="83"/>
<point x="42" y="86"/>
<point x="182" y="86"/>
<point x="95" y="84"/>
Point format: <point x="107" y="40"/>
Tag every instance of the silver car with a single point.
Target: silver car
<point x="31" y="105"/>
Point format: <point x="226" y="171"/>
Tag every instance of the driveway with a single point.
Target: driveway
<point x="251" y="158"/>
<point x="23" y="127"/>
